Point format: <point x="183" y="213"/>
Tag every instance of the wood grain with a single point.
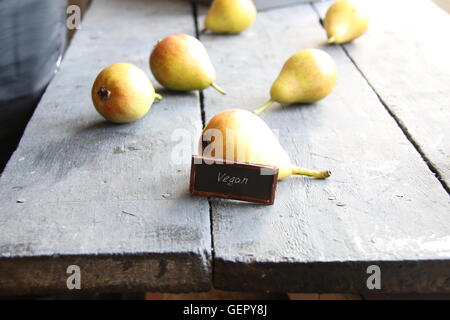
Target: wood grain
<point x="382" y="205"/>
<point x="405" y="57"/>
<point x="106" y="197"/>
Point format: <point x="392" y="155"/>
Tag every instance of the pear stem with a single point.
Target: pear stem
<point x="219" y="89"/>
<point x="322" y="174"/>
<point x="263" y="107"/>
<point x="332" y="39"/>
<point x="204" y="30"/>
<point x="158" y="97"/>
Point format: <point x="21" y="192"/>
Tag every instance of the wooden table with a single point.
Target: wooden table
<point x="108" y="198"/>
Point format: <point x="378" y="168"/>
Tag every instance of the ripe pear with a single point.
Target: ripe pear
<point x="123" y="93"/>
<point x="180" y="62"/>
<point x="345" y="21"/>
<point x="306" y="77"/>
<point x="239" y="135"/>
<point x="230" y="16"/>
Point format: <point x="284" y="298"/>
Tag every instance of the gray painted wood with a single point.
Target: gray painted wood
<point x="265" y="4"/>
<point x="382" y="205"/>
<point x="405" y="57"/>
<point x="105" y="197"/>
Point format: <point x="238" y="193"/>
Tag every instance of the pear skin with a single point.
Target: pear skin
<point x="180" y="62"/>
<point x="306" y="77"/>
<point x="345" y="21"/>
<point x="122" y="93"/>
<point x="230" y="16"/>
<point x="239" y="135"/>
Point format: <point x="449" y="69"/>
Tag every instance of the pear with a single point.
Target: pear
<point x="345" y="21"/>
<point x="180" y="62"/>
<point x="306" y="77"/>
<point x="230" y="16"/>
<point x="122" y="93"/>
<point x="239" y="135"/>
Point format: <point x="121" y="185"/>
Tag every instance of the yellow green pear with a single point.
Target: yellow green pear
<point x="230" y="16"/>
<point x="345" y="21"/>
<point x="122" y="93"/>
<point x="180" y="62"/>
<point x="306" y="77"/>
<point x="239" y="135"/>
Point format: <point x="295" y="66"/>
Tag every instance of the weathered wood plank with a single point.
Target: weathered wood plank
<point x="405" y="57"/>
<point x="264" y="4"/>
<point x="105" y="197"/>
<point x="381" y="205"/>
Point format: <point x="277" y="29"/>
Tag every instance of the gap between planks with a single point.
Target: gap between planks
<point x="201" y="98"/>
<point x="396" y="118"/>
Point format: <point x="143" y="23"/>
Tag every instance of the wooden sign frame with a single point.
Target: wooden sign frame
<point x="267" y="183"/>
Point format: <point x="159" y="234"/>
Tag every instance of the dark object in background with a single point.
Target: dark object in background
<point x="32" y="42"/>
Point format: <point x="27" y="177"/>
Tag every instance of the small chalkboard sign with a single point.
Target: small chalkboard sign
<point x="233" y="180"/>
